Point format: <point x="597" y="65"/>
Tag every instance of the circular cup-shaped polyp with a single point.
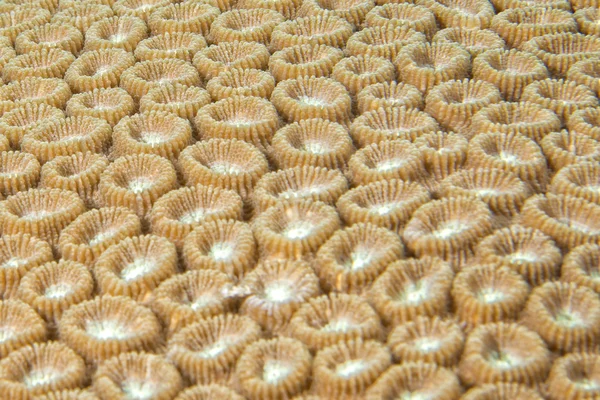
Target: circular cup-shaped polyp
<point x="312" y="142"/>
<point x="241" y="82"/>
<point x="107" y="326"/>
<point x="54" y="287"/>
<point x="182" y="46"/>
<point x="110" y="104"/>
<point x="314" y="183"/>
<point x="510" y="70"/>
<point x="387" y="203"/>
<point x="427" y="65"/>
<point x="93" y="232"/>
<point x="578" y="180"/>
<point x="315" y="29"/>
<point x="23" y="326"/>
<point x="311" y="97"/>
<point x="304" y="60"/>
<point x="573" y="376"/>
<point x="335" y="318"/>
<point x="351" y="260"/>
<point x="476" y="41"/>
<point x="245" y="25"/>
<point x="580" y="266"/>
<point x="183" y="101"/>
<point x="228" y="164"/>
<point x="523" y="118"/>
<point x="519" y="25"/>
<point x="193" y="17"/>
<point x="151" y="132"/>
<point x="43" y="213"/>
<point x="504" y="352"/>
<point x="524" y="250"/>
<point x="514" y="153"/>
<point x="41" y="368"/>
<point x="277" y="289"/>
<point x="192" y="297"/>
<point x="390" y="159"/>
<point x="18" y="172"/>
<point x="79" y="173"/>
<point x="115" y="33"/>
<point x="180" y="211"/>
<point x="569" y="221"/>
<point x="136" y="182"/>
<point x="206" y="351"/>
<point x="294" y="228"/>
<point x="224" y="245"/>
<point x="68" y="136"/>
<point x="560" y="51"/>
<point x="129" y="373"/>
<point x="412" y="288"/>
<point x="42" y="63"/>
<point x="448" y="228"/>
<point x="146" y="75"/>
<point x="135" y="266"/>
<point x="213" y="60"/>
<point x="98" y="69"/>
<point x="65" y="37"/>
<point x="18" y="255"/>
<point x="52" y="91"/>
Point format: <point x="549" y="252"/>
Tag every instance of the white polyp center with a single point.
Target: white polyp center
<point x="279" y="292"/>
<point x="107" y="330"/>
<point x="427" y="345"/>
<point x="297" y="230"/>
<point x="389" y="165"/>
<point x="58" y="291"/>
<point x="213" y="350"/>
<point x="102" y="69"/>
<point x="226" y="168"/>
<point x="338" y="325"/>
<point x="193" y="216"/>
<point x="415" y="293"/>
<point x="569" y="319"/>
<point x="504" y="360"/>
<point x="315" y="147"/>
<point x="413" y="396"/>
<point x="449" y="229"/>
<point x="14" y="262"/>
<point x="139" y="390"/>
<point x="138" y="268"/>
<point x="522" y="257"/>
<point x="508" y="157"/>
<point x="41" y="377"/>
<point x="201" y="302"/>
<point x="241" y="121"/>
<point x="37" y="215"/>
<point x="117" y="38"/>
<point x="351" y="368"/>
<point x="275" y="371"/>
<point x="579" y="226"/>
<point x="359" y="259"/>
<point x="222" y="251"/>
<point x="140" y="184"/>
<point x="484" y="192"/>
<point x="587" y="384"/>
<point x="312" y="101"/>
<point x="153" y="138"/>
<point x="300" y="192"/>
<point x="6" y="333"/>
<point x="102" y="236"/>
<point x="491" y="295"/>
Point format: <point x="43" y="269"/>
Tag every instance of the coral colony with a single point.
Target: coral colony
<point x="299" y="199"/>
